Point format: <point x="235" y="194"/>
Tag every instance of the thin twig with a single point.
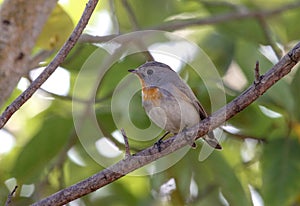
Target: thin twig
<point x="10" y="196"/>
<point x="127" y="148"/>
<point x="36" y="59"/>
<point x="113" y="16"/>
<point x="131" y="15"/>
<point x="268" y="34"/>
<point x="148" y="155"/>
<point x="76" y="99"/>
<point x="136" y="27"/>
<point x="237" y="7"/>
<point x="87" y="38"/>
<point x="181" y="24"/>
<point x="256" y="73"/>
<point x="58" y="59"/>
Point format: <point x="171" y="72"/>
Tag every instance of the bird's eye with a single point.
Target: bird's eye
<point x="150" y="71"/>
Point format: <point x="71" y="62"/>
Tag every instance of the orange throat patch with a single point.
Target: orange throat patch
<point x="151" y="94"/>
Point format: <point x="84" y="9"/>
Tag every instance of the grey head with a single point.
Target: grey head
<point x="155" y="73"/>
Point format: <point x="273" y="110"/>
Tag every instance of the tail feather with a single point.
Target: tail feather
<point x="212" y="141"/>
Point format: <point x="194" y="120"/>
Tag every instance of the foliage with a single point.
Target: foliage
<point x="260" y="161"/>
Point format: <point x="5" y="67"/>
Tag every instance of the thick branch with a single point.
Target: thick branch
<point x="58" y="59"/>
<point x="20" y="24"/>
<point x="151" y="154"/>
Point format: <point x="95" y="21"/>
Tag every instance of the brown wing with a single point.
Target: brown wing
<point x="184" y="88"/>
<point x="190" y="96"/>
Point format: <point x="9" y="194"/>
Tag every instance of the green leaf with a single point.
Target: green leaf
<point x="220" y="49"/>
<point x="225" y="176"/>
<point x="280" y="95"/>
<point x="89" y="167"/>
<point x="41" y="149"/>
<point x="253" y="122"/>
<point x="248" y="28"/>
<point x="143" y="11"/>
<point x="246" y="54"/>
<point x="78" y="56"/>
<point x="284" y="26"/>
<point x="56" y="30"/>
<point x="294" y="87"/>
<point x="212" y="176"/>
<point x="281" y="172"/>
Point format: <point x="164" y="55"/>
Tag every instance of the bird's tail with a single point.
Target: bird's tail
<point x="212" y="141"/>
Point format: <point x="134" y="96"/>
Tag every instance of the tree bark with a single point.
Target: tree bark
<point x="20" y="25"/>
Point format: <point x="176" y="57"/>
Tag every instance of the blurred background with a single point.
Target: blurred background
<point x="259" y="165"/>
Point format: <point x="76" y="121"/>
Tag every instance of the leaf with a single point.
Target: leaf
<point x="248" y="29"/>
<point x="75" y="8"/>
<point x="143" y="11"/>
<point x="246" y="54"/>
<point x="225" y="176"/>
<point x="281" y="171"/>
<point x="284" y="26"/>
<point x="41" y="149"/>
<point x="280" y="95"/>
<point x="253" y="122"/>
<point x="78" y="56"/>
<point x="220" y="49"/>
<point x="294" y="88"/>
<point x="56" y="30"/>
<point x="89" y="167"/>
<point x="212" y="176"/>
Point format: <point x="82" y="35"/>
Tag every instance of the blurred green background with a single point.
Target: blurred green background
<point x="260" y="161"/>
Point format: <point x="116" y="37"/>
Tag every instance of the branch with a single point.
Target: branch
<point x="10" y="196"/>
<point x="181" y="24"/>
<point x="148" y="155"/>
<point x="135" y="25"/>
<point x="131" y="15"/>
<point x="36" y="59"/>
<point x="127" y="148"/>
<point x="256" y="73"/>
<point x="87" y="38"/>
<point x="269" y="37"/>
<point x="58" y="59"/>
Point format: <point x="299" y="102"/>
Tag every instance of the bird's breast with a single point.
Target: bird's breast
<point x="151" y="94"/>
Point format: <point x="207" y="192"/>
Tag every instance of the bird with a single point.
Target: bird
<point x="168" y="101"/>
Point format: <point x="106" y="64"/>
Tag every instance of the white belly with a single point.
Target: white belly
<point x="173" y="117"/>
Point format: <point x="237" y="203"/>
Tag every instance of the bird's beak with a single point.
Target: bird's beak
<point x="132" y="71"/>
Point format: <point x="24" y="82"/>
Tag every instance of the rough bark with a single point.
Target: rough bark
<point x="20" y="25"/>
